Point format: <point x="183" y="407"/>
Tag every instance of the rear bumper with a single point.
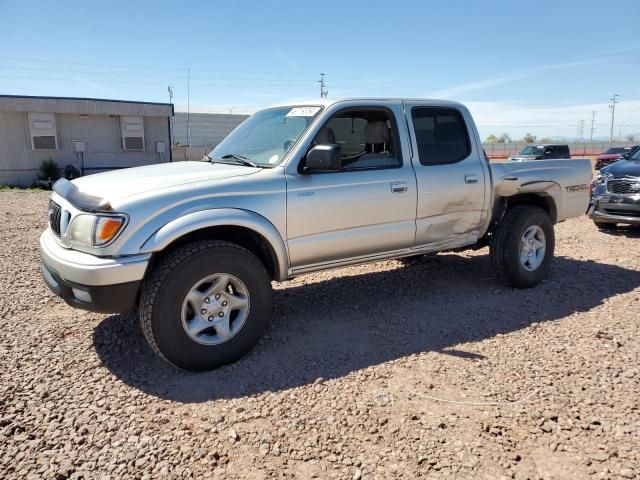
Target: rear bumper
<point x="615" y="209"/>
<point x="107" y="285"/>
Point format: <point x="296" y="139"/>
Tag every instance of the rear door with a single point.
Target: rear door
<point x="451" y="174"/>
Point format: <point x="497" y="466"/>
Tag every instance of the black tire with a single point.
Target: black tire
<point x="505" y="246"/>
<point x="606" y="225"/>
<point x="165" y="288"/>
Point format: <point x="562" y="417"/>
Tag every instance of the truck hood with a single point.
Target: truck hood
<point x="623" y="168"/>
<point x="119" y="184"/>
<point x="608" y="156"/>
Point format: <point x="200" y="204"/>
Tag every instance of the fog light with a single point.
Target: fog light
<point x="81" y="295"/>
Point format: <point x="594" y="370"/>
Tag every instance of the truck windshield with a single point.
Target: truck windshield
<point x="612" y="150"/>
<point x="266" y="137"/>
<point x="532" y="150"/>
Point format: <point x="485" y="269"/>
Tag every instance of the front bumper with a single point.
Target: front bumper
<point x="611" y="208"/>
<point x="107" y="285"/>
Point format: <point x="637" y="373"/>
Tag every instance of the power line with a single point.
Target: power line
<point x="205" y="84"/>
<point x="147" y="67"/>
<point x="151" y="75"/>
<point x="593" y="120"/>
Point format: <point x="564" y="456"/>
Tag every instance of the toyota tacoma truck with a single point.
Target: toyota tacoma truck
<point x="192" y="247"/>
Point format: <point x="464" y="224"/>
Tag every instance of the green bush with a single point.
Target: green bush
<point x="49" y="170"/>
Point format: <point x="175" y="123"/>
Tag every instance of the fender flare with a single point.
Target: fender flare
<point x="216" y="217"/>
<point x="546" y="189"/>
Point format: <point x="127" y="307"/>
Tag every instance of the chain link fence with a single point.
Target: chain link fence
<point x="505" y="150"/>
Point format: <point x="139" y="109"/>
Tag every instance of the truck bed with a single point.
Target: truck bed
<point x="566" y="181"/>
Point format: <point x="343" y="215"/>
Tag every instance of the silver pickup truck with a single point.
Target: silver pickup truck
<point x="193" y="247"/>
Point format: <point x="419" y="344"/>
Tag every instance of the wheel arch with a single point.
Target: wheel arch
<point x="244" y="228"/>
<point x="542" y="200"/>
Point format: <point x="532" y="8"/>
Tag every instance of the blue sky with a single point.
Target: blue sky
<point x="520" y="66"/>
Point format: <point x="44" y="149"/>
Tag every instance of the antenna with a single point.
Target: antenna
<point x="323" y="86"/>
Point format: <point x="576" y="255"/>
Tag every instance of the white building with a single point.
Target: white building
<point x="91" y="133"/>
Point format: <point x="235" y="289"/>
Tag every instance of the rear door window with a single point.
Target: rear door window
<point x="441" y="135"/>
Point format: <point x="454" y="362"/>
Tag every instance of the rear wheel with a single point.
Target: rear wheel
<point x="205" y="304"/>
<point x="522" y="246"/>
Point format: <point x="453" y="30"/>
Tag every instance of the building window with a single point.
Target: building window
<point x="42" y="129"/>
<point x="132" y="130"/>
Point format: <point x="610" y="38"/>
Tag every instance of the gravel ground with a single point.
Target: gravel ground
<point x="379" y="371"/>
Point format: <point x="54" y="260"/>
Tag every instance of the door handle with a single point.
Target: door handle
<point x="472" y="178"/>
<point x="398" y="187"/>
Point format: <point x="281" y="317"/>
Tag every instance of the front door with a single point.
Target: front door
<point x="366" y="208"/>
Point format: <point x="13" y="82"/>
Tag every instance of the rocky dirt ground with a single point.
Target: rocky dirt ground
<point x="429" y="370"/>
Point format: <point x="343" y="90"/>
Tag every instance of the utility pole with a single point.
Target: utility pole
<point x="580" y="134"/>
<point x="593" y="122"/>
<point x="189" y="107"/>
<point x="612" y="107"/>
<point x="323" y="87"/>
<point x="170" y="90"/>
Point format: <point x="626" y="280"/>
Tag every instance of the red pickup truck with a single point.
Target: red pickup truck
<point x="613" y="154"/>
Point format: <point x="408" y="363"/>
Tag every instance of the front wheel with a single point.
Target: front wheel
<point x="205" y="304"/>
<point x="522" y="246"/>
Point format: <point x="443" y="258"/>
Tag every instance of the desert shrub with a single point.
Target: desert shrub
<point x="49" y="170"/>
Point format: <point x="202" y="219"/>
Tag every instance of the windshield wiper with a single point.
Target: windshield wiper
<point x="240" y="159"/>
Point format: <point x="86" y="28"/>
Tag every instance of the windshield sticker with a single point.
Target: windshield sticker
<point x="303" y="111"/>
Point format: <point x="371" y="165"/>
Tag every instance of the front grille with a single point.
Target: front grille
<point x="623" y="186"/>
<point x="622" y="213"/>
<point x="55" y="213"/>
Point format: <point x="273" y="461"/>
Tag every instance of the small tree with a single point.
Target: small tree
<point x="529" y="138"/>
<point x="491" y="139"/>
<point x="49" y="170"/>
<point x="504" y="138"/>
<point x="631" y="137"/>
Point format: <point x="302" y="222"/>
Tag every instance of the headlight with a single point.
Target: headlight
<point x="600" y="179"/>
<point x="95" y="230"/>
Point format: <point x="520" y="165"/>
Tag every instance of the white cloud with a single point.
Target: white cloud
<point x="512" y="77"/>
<point x="219" y="108"/>
<point x="520" y="118"/>
<point x="529" y="72"/>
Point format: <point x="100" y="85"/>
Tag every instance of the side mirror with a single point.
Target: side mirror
<point x="324" y="158"/>
<point x="548" y="151"/>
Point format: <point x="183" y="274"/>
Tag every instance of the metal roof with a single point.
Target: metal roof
<point x="84" y="106"/>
